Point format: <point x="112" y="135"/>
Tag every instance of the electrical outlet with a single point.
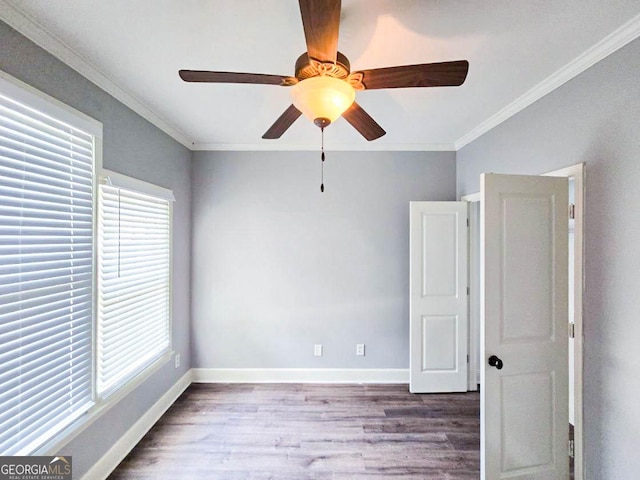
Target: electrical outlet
<point x="317" y="350"/>
<point x="360" y="349"/>
<point x="176" y="360"/>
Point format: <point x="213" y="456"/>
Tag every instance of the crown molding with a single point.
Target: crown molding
<point x="609" y="44"/>
<point x="351" y="147"/>
<point x="56" y="47"/>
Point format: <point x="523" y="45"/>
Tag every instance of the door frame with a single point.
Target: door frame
<point x="578" y="173"/>
<point x="473" y="274"/>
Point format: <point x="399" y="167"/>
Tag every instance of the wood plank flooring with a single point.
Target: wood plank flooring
<point x="310" y="432"/>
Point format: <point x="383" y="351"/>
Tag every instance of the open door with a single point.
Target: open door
<point x="438" y="298"/>
<point x="524" y="394"/>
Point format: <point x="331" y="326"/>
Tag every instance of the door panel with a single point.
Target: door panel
<point x="524" y="405"/>
<point x="439" y="254"/>
<point x="438" y="298"/>
<point x="525" y="396"/>
<point x="440" y="355"/>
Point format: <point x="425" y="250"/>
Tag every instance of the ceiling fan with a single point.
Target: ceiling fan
<point x="323" y="87"/>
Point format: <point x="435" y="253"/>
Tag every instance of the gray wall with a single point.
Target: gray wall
<point x="134" y="147"/>
<point x="594" y="118"/>
<point x="279" y="266"/>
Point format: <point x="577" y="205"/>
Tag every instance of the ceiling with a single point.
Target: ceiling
<point x="518" y="51"/>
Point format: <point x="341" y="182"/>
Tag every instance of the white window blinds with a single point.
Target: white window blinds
<point x="46" y="256"/>
<point x="133" y="283"/>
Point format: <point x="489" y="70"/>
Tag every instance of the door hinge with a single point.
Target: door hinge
<point x="572" y="449"/>
<point x="572" y="211"/>
<point x="467" y="222"/>
<point x="572" y="330"/>
<point x="467" y="358"/>
<point x="468" y="291"/>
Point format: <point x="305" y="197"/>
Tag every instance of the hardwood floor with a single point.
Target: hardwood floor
<point x="310" y="432"/>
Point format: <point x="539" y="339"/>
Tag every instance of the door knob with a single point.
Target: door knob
<point x="495" y="362"/>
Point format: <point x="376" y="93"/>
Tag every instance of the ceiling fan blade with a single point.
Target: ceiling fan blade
<point x="445" y="74"/>
<point x="321" y="22"/>
<point x="283" y="122"/>
<point x="363" y="122"/>
<point x="232" y="77"/>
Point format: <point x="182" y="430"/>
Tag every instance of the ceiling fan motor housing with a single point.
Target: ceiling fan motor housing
<point x="307" y="67"/>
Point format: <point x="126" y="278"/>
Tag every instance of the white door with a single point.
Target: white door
<point x="438" y="298"/>
<point x="524" y="405"/>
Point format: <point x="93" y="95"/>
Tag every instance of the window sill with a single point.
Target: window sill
<point x="101" y="407"/>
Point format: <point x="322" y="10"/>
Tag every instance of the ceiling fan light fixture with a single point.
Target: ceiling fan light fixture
<point x="322" y="99"/>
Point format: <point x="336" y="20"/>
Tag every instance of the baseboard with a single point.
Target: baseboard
<point x="110" y="460"/>
<point x="300" y="375"/>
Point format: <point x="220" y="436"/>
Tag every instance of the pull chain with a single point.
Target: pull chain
<point x="322" y="163"/>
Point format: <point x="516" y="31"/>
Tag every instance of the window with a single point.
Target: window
<point x="47" y="162"/>
<point x="134" y="255"/>
<point x="73" y="301"/>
